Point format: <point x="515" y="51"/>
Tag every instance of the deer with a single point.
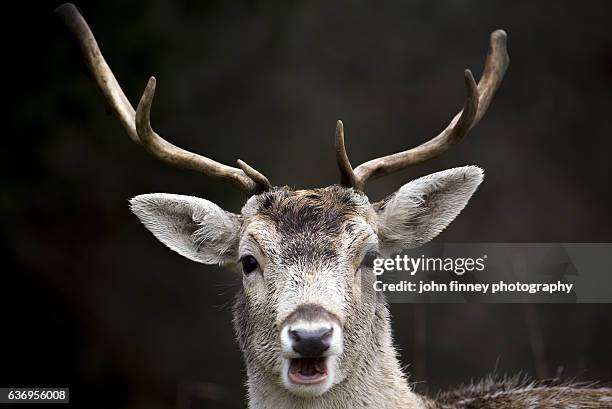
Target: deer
<point x="310" y="335"/>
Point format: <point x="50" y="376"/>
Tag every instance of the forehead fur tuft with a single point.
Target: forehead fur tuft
<point x="324" y="210"/>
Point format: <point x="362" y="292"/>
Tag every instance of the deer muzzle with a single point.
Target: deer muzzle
<point x="311" y="341"/>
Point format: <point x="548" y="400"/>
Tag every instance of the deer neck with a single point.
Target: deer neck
<point x="376" y="382"/>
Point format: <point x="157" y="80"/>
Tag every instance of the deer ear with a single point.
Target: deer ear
<point x="422" y="208"/>
<point x="195" y="228"/>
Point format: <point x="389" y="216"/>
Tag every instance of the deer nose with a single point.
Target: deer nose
<point x="311" y="343"/>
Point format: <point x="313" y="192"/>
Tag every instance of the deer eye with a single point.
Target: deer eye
<point x="249" y="264"/>
<point x="368" y="259"/>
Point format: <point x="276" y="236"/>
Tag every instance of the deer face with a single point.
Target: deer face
<point x="301" y="254"/>
<point x="305" y="313"/>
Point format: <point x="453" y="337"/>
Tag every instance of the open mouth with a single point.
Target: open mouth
<point x="307" y="371"/>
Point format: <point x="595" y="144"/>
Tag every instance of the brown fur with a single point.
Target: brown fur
<point x="521" y="392"/>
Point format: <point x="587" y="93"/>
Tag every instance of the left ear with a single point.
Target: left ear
<point x="422" y="208"/>
<point x="193" y="227"/>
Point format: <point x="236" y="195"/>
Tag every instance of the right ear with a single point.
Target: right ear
<point x="422" y="208"/>
<point x="193" y="227"/>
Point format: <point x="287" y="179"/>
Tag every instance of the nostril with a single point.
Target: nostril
<point x="311" y="343"/>
<point x="328" y="333"/>
<point x="294" y="335"/>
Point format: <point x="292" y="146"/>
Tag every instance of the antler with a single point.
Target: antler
<point x="137" y="123"/>
<point x="478" y="99"/>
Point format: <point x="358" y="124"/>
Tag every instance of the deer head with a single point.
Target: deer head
<point x="303" y="322"/>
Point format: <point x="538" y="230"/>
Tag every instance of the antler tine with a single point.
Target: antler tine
<point x="347" y="176"/>
<point x="98" y="67"/>
<point x="181" y="158"/>
<point x="257" y="177"/>
<point x="137" y="123"/>
<point x="477" y="101"/>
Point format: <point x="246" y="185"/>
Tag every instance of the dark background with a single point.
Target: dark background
<point x="92" y="301"/>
